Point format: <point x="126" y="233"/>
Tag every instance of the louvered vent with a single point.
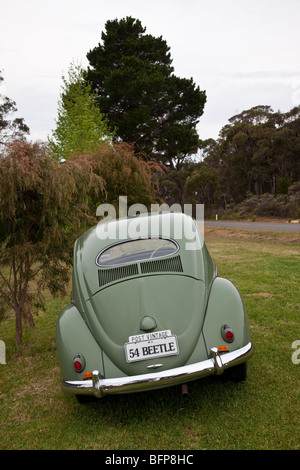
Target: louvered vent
<point x="114" y="274"/>
<point x="162" y="265"/>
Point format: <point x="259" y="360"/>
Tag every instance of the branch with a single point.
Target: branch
<point x="7" y="283"/>
<point x="6" y="298"/>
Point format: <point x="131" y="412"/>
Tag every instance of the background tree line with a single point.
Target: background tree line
<point x="128" y="126"/>
<point x="130" y="79"/>
<point x="254" y="165"/>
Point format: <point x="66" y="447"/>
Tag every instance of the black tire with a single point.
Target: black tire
<point x="82" y="399"/>
<point x="237" y="373"/>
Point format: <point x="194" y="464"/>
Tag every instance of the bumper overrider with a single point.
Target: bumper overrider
<point x="215" y="365"/>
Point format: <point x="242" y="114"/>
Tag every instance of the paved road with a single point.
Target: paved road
<point x="286" y="227"/>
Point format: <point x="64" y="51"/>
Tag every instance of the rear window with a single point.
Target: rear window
<point x="136" y="250"/>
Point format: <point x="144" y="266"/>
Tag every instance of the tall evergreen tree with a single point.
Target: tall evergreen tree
<point x="149" y="106"/>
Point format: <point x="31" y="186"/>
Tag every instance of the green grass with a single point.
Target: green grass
<point x="262" y="413"/>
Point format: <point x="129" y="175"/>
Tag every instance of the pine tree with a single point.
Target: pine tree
<point x="145" y="103"/>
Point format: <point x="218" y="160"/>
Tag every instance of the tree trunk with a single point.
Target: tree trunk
<point x="18" y="326"/>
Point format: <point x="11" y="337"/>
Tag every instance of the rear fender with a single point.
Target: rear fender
<point x="225" y="307"/>
<point x="74" y="337"/>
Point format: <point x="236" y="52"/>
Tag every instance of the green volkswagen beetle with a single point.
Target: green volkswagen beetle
<point x="148" y="310"/>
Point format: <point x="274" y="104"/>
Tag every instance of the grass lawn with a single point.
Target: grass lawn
<point x="262" y="413"/>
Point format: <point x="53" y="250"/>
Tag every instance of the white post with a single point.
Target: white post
<point x="2" y="352"/>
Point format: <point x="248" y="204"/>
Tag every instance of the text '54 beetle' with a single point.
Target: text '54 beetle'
<point x="148" y="310"/>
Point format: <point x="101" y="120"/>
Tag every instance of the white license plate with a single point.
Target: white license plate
<point x="151" y="346"/>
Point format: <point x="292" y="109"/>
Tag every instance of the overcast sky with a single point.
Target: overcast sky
<point x="242" y="52"/>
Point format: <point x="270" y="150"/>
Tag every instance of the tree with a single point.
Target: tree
<point x="144" y="101"/>
<point x="286" y="147"/>
<point x="246" y="152"/>
<point x="259" y="148"/>
<point x="257" y="153"/>
<point x="124" y="173"/>
<point x="172" y="184"/>
<point x="10" y="129"/>
<point x="80" y="124"/>
<point x="202" y="184"/>
<point x="43" y="208"/>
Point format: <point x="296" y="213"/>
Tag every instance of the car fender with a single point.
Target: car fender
<point x="74" y="337"/>
<point x="225" y="307"/>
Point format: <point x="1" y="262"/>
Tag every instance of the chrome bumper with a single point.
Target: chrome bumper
<point x="215" y="365"/>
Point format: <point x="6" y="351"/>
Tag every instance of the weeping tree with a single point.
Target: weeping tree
<point x="126" y="173"/>
<point x="43" y="208"/>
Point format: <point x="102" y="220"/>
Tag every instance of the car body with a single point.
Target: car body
<point x="148" y="309"/>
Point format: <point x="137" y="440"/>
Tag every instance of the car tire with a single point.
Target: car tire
<point x="82" y="399"/>
<point x="237" y="373"/>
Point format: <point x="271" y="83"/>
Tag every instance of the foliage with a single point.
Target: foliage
<point x="46" y="204"/>
<point x="43" y="207"/>
<point x="144" y="101"/>
<point x="256" y="153"/>
<point x="272" y="205"/>
<point x="124" y="174"/>
<point x="172" y="184"/>
<point x="80" y="124"/>
<point x="203" y="183"/>
<point x="10" y="129"/>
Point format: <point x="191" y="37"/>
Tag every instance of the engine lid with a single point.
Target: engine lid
<point x="162" y="314"/>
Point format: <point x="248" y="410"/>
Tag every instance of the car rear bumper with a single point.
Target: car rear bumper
<point x="216" y="364"/>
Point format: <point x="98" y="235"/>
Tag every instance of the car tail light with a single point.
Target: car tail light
<point x="78" y="366"/>
<point x="79" y="362"/>
<point x="227" y="333"/>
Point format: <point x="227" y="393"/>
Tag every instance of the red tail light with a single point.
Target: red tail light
<point x="78" y="366"/>
<point x="227" y="333"/>
<point x="79" y="362"/>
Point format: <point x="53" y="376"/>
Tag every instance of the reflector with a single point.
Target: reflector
<point x="223" y="348"/>
<point x="87" y="375"/>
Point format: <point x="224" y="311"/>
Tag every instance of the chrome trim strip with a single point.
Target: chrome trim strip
<point x="215" y="365"/>
<point x="154" y="366"/>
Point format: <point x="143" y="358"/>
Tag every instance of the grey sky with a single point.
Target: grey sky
<point x="243" y="53"/>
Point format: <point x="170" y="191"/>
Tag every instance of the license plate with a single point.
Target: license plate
<point x="151" y="346"/>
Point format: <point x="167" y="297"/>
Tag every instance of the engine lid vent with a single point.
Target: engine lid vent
<point x="108" y="275"/>
<point x="162" y="265"/>
<point x="114" y="274"/>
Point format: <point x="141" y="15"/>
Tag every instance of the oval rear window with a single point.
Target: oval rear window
<point x="132" y="251"/>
